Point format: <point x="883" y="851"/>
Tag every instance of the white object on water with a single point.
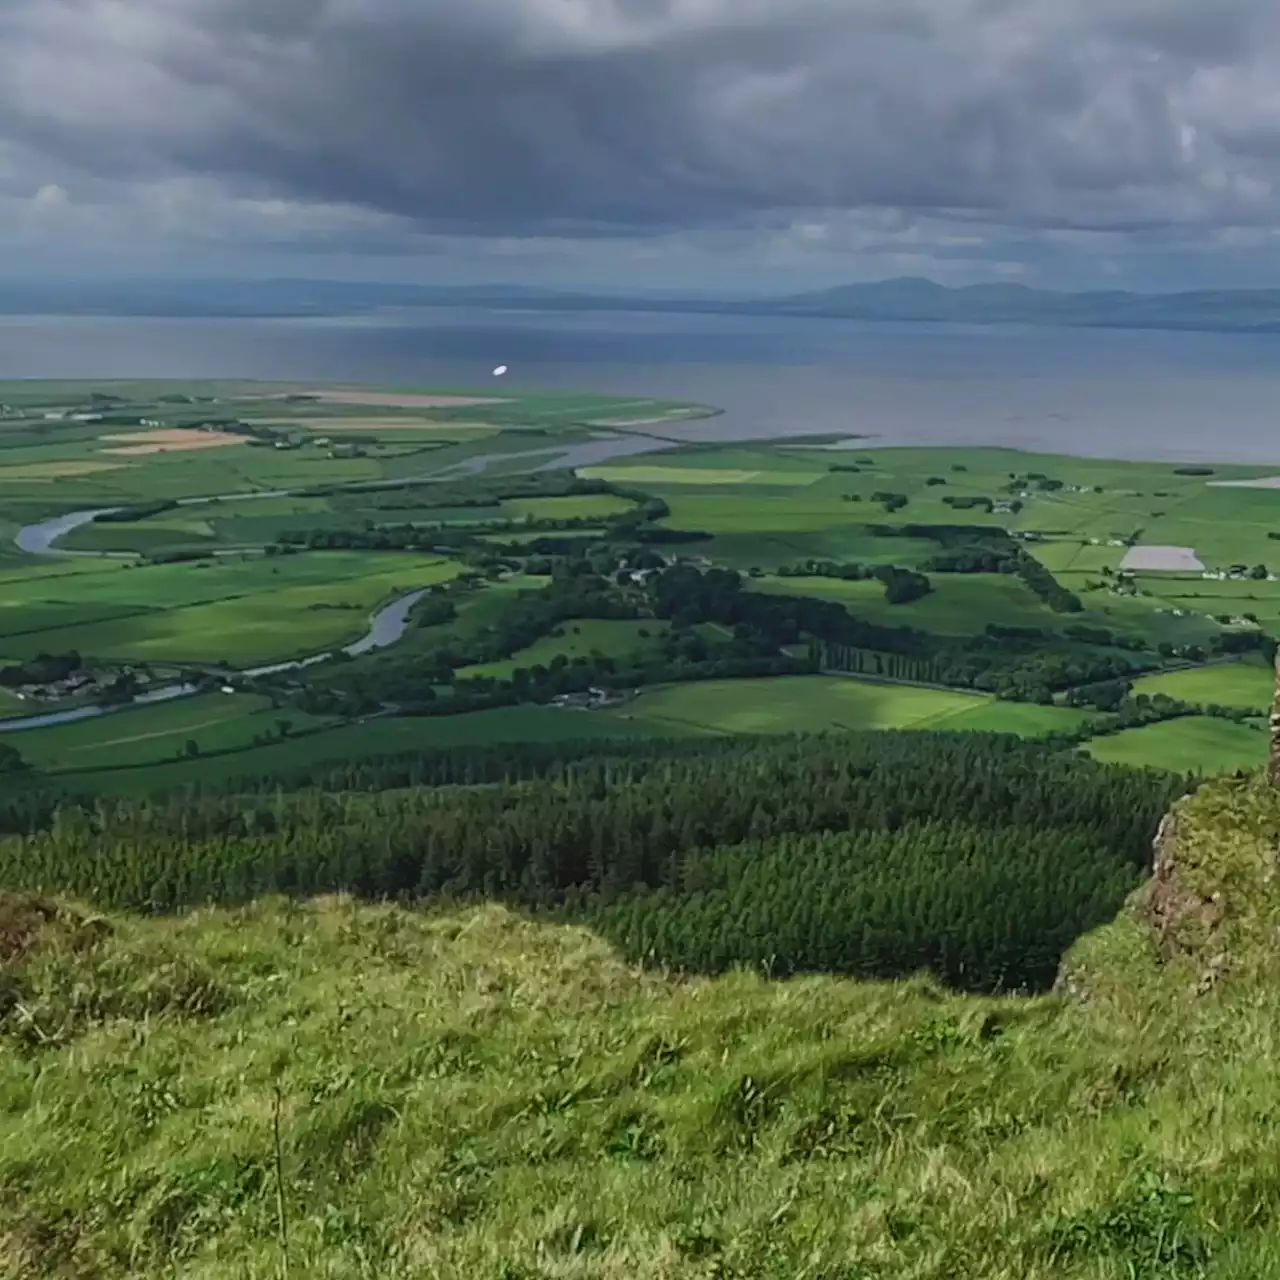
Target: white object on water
<point x="500" y="370"/>
<point x="226" y="688"/>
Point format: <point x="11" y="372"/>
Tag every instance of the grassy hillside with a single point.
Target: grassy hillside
<point x="468" y="1094"/>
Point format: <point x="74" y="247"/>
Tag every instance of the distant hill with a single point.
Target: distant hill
<point x="903" y="300"/>
<point x="1252" y="310"/>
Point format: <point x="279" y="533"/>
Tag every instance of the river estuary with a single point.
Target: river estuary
<point x="386" y="626"/>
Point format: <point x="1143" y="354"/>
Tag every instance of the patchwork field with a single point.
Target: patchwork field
<point x="209" y="723"/>
<point x="153" y="764"/>
<point x="240" y="611"/>
<point x="224" y="727"/>
<point x="328" y="509"/>
<point x="168" y="440"/>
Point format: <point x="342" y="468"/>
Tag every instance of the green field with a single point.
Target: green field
<point x="1026" y="719"/>
<point x="755" y="507"/>
<point x="214" y="722"/>
<point x="1194" y="744"/>
<point x="745" y="550"/>
<point x="241" y="611"/>
<point x="1234" y="684"/>
<point x="959" y="604"/>
<point x="224" y="727"/>
<point x="587" y="506"/>
<point x="153" y="736"/>
<point x="141" y="536"/>
<point x="815" y="704"/>
<point x="613" y="639"/>
<point x="338" y="746"/>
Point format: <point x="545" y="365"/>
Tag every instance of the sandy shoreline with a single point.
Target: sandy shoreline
<point x="1262" y="482"/>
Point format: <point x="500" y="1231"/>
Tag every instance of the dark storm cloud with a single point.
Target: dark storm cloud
<point x="589" y="117"/>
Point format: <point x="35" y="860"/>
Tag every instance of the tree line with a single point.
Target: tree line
<point x="1015" y="668"/>
<point x="977" y="856"/>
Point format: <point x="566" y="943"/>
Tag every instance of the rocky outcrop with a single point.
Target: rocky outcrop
<point x="1185" y="919"/>
<point x="1273" y="755"/>
<point x="1209" y="908"/>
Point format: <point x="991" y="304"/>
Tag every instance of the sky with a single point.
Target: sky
<point x="727" y="146"/>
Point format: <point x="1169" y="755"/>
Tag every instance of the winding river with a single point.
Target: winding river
<point x="386" y="626"/>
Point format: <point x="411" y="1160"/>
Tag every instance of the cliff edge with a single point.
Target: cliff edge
<point x="1209" y="911"/>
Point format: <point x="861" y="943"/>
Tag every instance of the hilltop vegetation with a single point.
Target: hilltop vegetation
<point x="467" y="1093"/>
<point x="977" y="857"/>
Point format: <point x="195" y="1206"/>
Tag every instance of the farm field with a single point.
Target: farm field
<point x="579" y="507"/>
<point x="1026" y="719"/>
<point x="818" y="704"/>
<point x="303" y="509"/>
<point x="140" y="536"/>
<point x="342" y="744"/>
<point x="961" y="604"/>
<point x="771" y="551"/>
<point x="241" y="611"/>
<point x="1194" y="744"/>
<point x="154" y="736"/>
<point x="577" y="639"/>
<point x="1234" y="684"/>
<point x="213" y="722"/>
<point x="797" y="704"/>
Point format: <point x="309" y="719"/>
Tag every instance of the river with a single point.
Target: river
<point x="387" y="625"/>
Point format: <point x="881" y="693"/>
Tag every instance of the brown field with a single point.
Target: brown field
<point x="395" y="400"/>
<point x="55" y="470"/>
<point x="169" y="440"/>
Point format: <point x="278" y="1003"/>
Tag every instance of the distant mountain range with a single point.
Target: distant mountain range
<point x="1250" y="310"/>
<point x="902" y="300"/>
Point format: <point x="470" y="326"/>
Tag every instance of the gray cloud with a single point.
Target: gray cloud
<point x="637" y="118"/>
